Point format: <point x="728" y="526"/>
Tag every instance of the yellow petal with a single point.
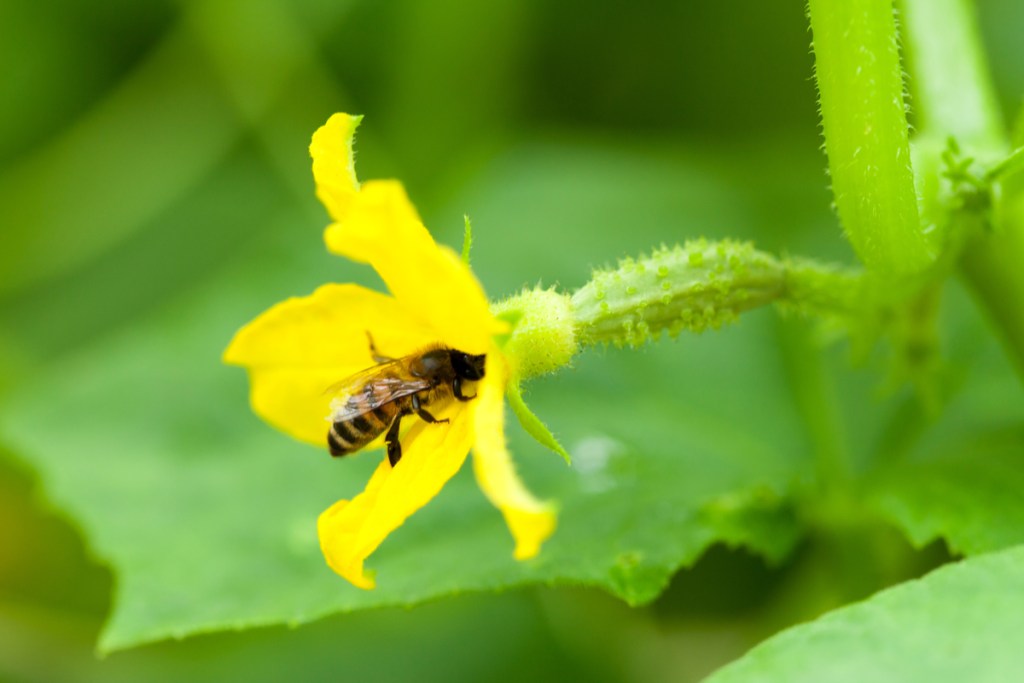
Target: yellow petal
<point x="334" y="167"/>
<point x="431" y="454"/>
<point x="295" y="400"/>
<point x="297" y="349"/>
<point x="382" y="229"/>
<point x="530" y="520"/>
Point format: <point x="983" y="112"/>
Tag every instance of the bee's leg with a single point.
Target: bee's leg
<point x="394" y="445"/>
<point x="422" y="412"/>
<point x="457" y="389"/>
<point x="377" y="357"/>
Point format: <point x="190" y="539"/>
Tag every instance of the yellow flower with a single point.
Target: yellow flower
<point x="300" y="347"/>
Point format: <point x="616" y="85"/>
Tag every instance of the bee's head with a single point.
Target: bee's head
<point x="468" y="366"/>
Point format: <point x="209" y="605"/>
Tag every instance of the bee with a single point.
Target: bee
<point x="376" y="399"/>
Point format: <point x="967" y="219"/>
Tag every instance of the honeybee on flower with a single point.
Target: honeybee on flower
<point x="375" y="400"/>
<point x="436" y="315"/>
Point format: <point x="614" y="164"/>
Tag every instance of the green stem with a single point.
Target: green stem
<point x="1008" y="166"/>
<point x="818" y="402"/>
<point x="991" y="265"/>
<point x="953" y="94"/>
<point x="951" y="80"/>
<point x="857" y="66"/>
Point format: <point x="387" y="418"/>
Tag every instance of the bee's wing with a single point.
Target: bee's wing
<point x="377" y="385"/>
<point x="391" y="372"/>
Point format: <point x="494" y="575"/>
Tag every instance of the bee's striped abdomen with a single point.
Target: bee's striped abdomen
<point x="338" y="440"/>
<point x="349" y="435"/>
<point x="346" y="436"/>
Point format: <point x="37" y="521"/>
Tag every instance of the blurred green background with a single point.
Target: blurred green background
<point x="146" y="149"/>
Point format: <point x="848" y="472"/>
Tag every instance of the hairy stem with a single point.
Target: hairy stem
<point x="860" y="84"/>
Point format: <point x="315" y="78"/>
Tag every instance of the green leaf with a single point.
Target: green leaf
<point x="959" y="623"/>
<point x="958" y="477"/>
<point x="968" y="494"/>
<point x="208" y="516"/>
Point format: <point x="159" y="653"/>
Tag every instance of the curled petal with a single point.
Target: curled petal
<point x="381" y="228"/>
<point x="431" y="454"/>
<point x="334" y="167"/>
<point x="300" y="347"/>
<point x="530" y="520"/>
